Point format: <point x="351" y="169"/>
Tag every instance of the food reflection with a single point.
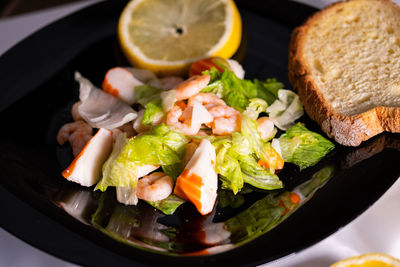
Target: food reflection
<point x="77" y="203"/>
<point x="371" y="148"/>
<point x="187" y="232"/>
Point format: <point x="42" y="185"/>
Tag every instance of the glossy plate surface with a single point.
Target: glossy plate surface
<point x="73" y="223"/>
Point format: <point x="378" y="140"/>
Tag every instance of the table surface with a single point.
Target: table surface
<point x="352" y="240"/>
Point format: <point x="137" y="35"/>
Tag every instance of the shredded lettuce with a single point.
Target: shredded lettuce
<point x="250" y="133"/>
<point x="256" y="106"/>
<point x="284" y="111"/>
<point x="237" y="164"/>
<point x="162" y="146"/>
<point x="303" y="147"/>
<point x="237" y="92"/>
<point x="240" y="145"/>
<point x="227" y="166"/>
<point x="173" y="170"/>
<point x="117" y="170"/>
<point x="146" y="93"/>
<point x="257" y="176"/>
<point x="153" y="112"/>
<point x="169" y="205"/>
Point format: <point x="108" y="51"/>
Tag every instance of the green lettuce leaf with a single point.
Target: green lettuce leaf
<point x="173" y="170"/>
<point x="257" y="176"/>
<point x="162" y="146"/>
<point x="240" y="146"/>
<point x="215" y="75"/>
<point x="303" y="147"/>
<point x="256" y="106"/>
<point x="146" y="93"/>
<point x="169" y="205"/>
<point x="237" y="164"/>
<point x="153" y="112"/>
<point x="118" y="171"/>
<point x="227" y="166"/>
<point x="250" y="133"/>
<point x="238" y="92"/>
<point x="253" y="173"/>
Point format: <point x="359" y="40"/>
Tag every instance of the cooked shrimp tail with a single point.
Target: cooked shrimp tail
<point x="154" y="187"/>
<point x="226" y="120"/>
<point x="191" y="86"/>
<point x="77" y="133"/>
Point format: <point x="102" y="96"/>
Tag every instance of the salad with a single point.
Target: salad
<point x="168" y="141"/>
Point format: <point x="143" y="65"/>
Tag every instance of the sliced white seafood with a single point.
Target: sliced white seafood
<point x="120" y="83"/>
<point x="199" y="181"/>
<point x="102" y="110"/>
<point x="196" y="115"/>
<point x="86" y="167"/>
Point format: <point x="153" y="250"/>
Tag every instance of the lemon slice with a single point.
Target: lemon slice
<point x="165" y="36"/>
<point x="369" y="260"/>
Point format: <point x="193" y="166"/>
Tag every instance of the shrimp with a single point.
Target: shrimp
<point x="191" y="86"/>
<point x="226" y="120"/>
<point x="208" y="100"/>
<point x="174" y="118"/>
<point x="75" y="111"/>
<point x="265" y="127"/>
<point x="154" y="187"/>
<point x="170" y="82"/>
<point x="77" y="133"/>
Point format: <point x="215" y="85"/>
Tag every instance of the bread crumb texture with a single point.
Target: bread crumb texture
<point x="353" y="53"/>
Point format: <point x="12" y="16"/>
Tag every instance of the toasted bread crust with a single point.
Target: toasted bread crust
<point x="346" y="130"/>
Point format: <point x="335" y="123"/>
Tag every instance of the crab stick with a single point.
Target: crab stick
<point x="85" y="169"/>
<point x="198" y="182"/>
<point x="195" y="115"/>
<point x="120" y="83"/>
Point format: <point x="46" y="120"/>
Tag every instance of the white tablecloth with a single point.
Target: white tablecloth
<point x="376" y="230"/>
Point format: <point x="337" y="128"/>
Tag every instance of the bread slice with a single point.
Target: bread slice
<point x="344" y="61"/>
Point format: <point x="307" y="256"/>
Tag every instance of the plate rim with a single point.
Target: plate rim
<point x="57" y="219"/>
